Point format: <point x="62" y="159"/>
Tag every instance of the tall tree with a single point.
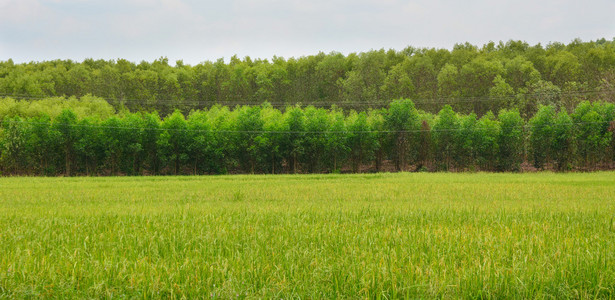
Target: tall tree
<point x="173" y="141"/>
<point x="444" y="133"/>
<point x="510" y="140"/>
<point x="65" y="124"/>
<point x="401" y="121"/>
<point x="541" y="136"/>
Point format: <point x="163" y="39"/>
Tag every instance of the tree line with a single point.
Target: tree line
<point x="87" y="137"/>
<point x="510" y="75"/>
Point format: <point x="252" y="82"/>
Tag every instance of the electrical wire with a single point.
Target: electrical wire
<point x="525" y="127"/>
<point x="438" y="100"/>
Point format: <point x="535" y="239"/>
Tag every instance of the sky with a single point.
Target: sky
<point x="196" y="31"/>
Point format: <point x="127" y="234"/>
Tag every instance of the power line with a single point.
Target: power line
<point x="526" y="127"/>
<point x="438" y="100"/>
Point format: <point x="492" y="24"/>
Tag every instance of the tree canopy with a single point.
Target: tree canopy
<point x="506" y="75"/>
<point x="265" y="139"/>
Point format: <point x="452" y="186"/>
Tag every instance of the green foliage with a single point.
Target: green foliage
<point x="14" y="146"/>
<point x="398" y="84"/>
<point x="200" y="143"/>
<point x="362" y="141"/>
<point x="502" y="93"/>
<point x="402" y="122"/>
<point x="86" y="106"/>
<point x="273" y="139"/>
<point x="541" y="136"/>
<point x="529" y="75"/>
<point x="315" y="141"/>
<point x="336" y="149"/>
<point x="448" y="81"/>
<point x="293" y="145"/>
<point x="487" y="147"/>
<point x="66" y="125"/>
<point x="593" y="136"/>
<point x="510" y="140"/>
<point x="264" y="139"/>
<point x="173" y="142"/>
<point x="563" y="141"/>
<point x="445" y="137"/>
<point x="465" y="138"/>
<point x="250" y="141"/>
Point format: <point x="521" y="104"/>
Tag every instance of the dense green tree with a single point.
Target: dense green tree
<point x="133" y="143"/>
<point x="402" y="123"/>
<point x="330" y="73"/>
<point x="397" y="84"/>
<point x="563" y="141"/>
<point x="293" y="146"/>
<point x="14" y="136"/>
<point x="540" y="93"/>
<point x="361" y="140"/>
<point x="336" y="150"/>
<point x="222" y="122"/>
<point x="113" y="135"/>
<point x="250" y="137"/>
<point x="77" y="138"/>
<point x="173" y="142"/>
<point x="357" y="80"/>
<point x="563" y="67"/>
<point x="66" y="125"/>
<point x="317" y="123"/>
<point x="448" y="82"/>
<point x="151" y="133"/>
<point x="364" y="81"/>
<point x="444" y="133"/>
<point x="477" y="77"/>
<point x="199" y="142"/>
<point x="425" y="146"/>
<point x="90" y="145"/>
<point x="541" y="136"/>
<point x="377" y="121"/>
<point x="510" y="140"/>
<point x="43" y="145"/>
<point x="274" y="136"/>
<point x="520" y="72"/>
<point x="593" y="137"/>
<point x="487" y="147"/>
<point x="466" y="139"/>
<point x="422" y="71"/>
<point x="501" y="95"/>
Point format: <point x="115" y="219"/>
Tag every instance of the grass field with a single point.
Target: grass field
<point x="313" y="236"/>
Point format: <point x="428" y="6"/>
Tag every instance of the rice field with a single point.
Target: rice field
<point x="539" y="235"/>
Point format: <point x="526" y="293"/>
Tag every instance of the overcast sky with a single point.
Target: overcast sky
<point x="195" y="31"/>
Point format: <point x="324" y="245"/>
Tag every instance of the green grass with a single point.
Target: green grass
<point x="315" y="236"/>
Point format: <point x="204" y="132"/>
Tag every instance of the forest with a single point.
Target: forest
<point x="469" y="78"/>
<point x="86" y="136"/>
<point x="500" y="107"/>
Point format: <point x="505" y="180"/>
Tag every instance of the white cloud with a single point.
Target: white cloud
<point x="195" y="30"/>
<point x="14" y="12"/>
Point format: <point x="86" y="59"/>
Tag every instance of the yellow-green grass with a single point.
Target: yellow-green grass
<point x="309" y="236"/>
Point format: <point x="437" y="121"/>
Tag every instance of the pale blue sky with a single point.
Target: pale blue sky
<point x="196" y="31"/>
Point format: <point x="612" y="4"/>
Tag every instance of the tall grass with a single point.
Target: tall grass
<point x="317" y="236"/>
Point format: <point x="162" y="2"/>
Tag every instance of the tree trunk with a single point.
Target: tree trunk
<point x="176" y="168"/>
<point x="134" y="165"/>
<point x="67" y="158"/>
<point x="360" y="161"/>
<point x="334" y="162"/>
